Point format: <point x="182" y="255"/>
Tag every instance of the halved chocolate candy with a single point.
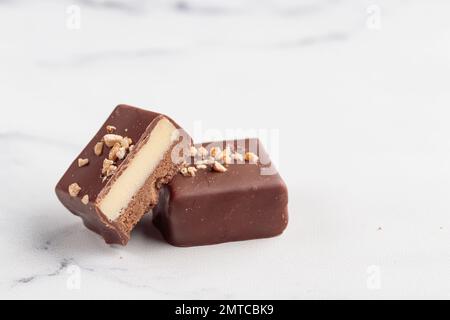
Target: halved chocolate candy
<point x="116" y="178"/>
<point x="234" y="193"/>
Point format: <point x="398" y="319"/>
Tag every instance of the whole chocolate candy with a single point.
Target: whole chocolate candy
<point x="230" y="191"/>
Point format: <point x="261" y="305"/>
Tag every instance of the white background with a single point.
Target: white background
<point x="359" y="91"/>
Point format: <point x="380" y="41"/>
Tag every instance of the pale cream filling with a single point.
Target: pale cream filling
<point x="139" y="169"/>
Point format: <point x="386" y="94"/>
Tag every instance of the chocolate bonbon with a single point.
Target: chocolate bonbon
<point x="116" y="178"/>
<point x="226" y="191"/>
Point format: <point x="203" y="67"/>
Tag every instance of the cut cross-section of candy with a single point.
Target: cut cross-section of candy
<point x="124" y="166"/>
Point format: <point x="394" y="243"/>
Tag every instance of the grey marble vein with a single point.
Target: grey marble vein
<point x="87" y="59"/>
<point x="208" y="9"/>
<point x="62" y="266"/>
<point x="46" y="246"/>
<point x="316" y="40"/>
<point x="130" y="7"/>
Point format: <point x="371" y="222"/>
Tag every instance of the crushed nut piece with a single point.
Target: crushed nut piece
<point x="192" y="171"/>
<point x="218" y="167"/>
<point x="201" y="166"/>
<point x="215" y="152"/>
<point x="121" y="153"/>
<point x="110" y="129"/>
<point x="238" y="157"/>
<point x="113" y="152"/>
<point x="82" y="162"/>
<point x="111" y="139"/>
<point x="226" y="159"/>
<point x="202" y="152"/>
<point x="106" y="164"/>
<point x="131" y="148"/>
<point x="98" y="149"/>
<point x="193" y="151"/>
<point x="218" y="156"/>
<point x="111" y="170"/>
<point x="184" y="172"/>
<point x="126" y="142"/>
<point x="74" y="190"/>
<point x="251" y="157"/>
<point x="224" y="156"/>
<point x="85" y="199"/>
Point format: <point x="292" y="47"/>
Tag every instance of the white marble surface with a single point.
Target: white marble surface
<point x="362" y="106"/>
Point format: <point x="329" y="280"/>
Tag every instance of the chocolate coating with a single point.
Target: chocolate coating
<point x="129" y="121"/>
<point x="213" y="207"/>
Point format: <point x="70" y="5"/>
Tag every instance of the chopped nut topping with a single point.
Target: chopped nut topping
<point x="106" y="164"/>
<point x="201" y="166"/>
<point x="224" y="156"/>
<point x="111" y="139"/>
<point x="218" y="156"/>
<point x="126" y="142"/>
<point x="98" y="149"/>
<point x="113" y="152"/>
<point x="192" y="171"/>
<point x="85" y="199"/>
<point x="110" y="129"/>
<point x="238" y="157"/>
<point x="193" y="151"/>
<point x="202" y="152"/>
<point x="82" y="162"/>
<point x="131" y="148"/>
<point x="227" y="159"/>
<point x="74" y="190"/>
<point x="251" y="157"/>
<point x="215" y="152"/>
<point x="111" y="170"/>
<point x="121" y="153"/>
<point x="219" y="167"/>
<point x="184" y="172"/>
